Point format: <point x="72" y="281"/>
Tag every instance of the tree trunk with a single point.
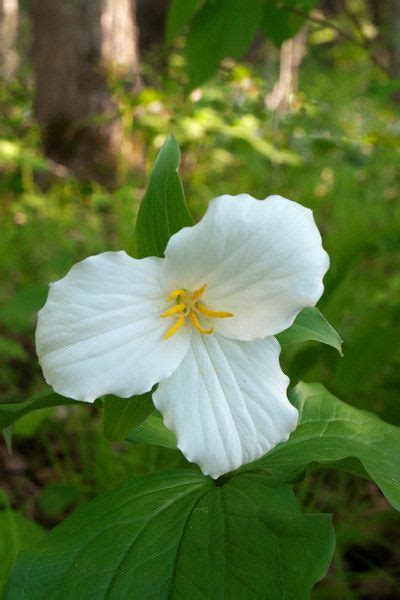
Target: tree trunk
<point x="77" y="45"/>
<point x="9" y="58"/>
<point x="284" y="90"/>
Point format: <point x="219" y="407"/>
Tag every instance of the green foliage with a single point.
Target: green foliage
<point x="10" y="412"/>
<point x="219" y="29"/>
<point x="7" y="436"/>
<point x="196" y="540"/>
<point x="163" y="210"/>
<point x="226" y="28"/>
<point x="18" y="313"/>
<point x="311" y="325"/>
<point x="57" y="497"/>
<point x="10" y="349"/>
<point x="330" y="431"/>
<point x="280" y="23"/>
<point x="16" y="533"/>
<point x="29" y="424"/>
<point x="179" y="13"/>
<point x="121" y="415"/>
<point x="152" y="431"/>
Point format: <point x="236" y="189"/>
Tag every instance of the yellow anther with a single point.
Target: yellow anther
<point x="175" y="294"/>
<point x="188" y="305"/>
<point x="198" y="293"/>
<point x="180" y="323"/>
<point x="178" y="308"/>
<point x="199" y="327"/>
<point x="215" y="314"/>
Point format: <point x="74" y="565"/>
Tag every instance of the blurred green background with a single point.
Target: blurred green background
<point x="325" y="132"/>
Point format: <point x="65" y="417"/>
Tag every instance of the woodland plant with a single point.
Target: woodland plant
<point x="193" y="327"/>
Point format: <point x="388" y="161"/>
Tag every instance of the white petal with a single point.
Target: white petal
<point x="227" y="402"/>
<point x="100" y="331"/>
<point x="263" y="261"/>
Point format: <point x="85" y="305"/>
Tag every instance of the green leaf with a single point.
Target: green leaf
<point x="56" y="497"/>
<point x="311" y="325"/>
<point x="300" y="5"/>
<point x="220" y="29"/>
<point x="282" y="20"/>
<point x="331" y="431"/>
<point x="28" y="425"/>
<point x="11" y="411"/>
<point x="11" y="350"/>
<point x="249" y="536"/>
<point x="121" y="415"/>
<point x="8" y="436"/>
<point x="278" y="24"/>
<point x="20" y="310"/>
<point x="178" y="534"/>
<point x="16" y="533"/>
<point x="153" y="432"/>
<point x="163" y="210"/>
<point x="179" y="14"/>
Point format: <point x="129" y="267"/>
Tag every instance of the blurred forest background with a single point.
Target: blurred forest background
<point x="304" y="103"/>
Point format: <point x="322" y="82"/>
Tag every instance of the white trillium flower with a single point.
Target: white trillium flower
<point x="198" y="322"/>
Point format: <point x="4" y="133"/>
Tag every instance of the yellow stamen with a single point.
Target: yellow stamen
<point x="199" y="327"/>
<point x="180" y="322"/>
<point x="198" y="293"/>
<point x="175" y="294"/>
<point x="187" y="304"/>
<point x="178" y="308"/>
<point x="216" y="314"/>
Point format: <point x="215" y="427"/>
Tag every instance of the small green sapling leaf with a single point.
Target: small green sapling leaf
<point x="311" y="325"/>
<point x="11" y="411"/>
<point x="121" y="415"/>
<point x="163" y="210"/>
<point x="152" y="431"/>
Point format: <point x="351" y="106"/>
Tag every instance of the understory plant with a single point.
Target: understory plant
<point x="180" y="346"/>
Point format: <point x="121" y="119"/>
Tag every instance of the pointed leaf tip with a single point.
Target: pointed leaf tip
<point x="163" y="210"/>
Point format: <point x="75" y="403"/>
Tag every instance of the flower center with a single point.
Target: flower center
<point x="187" y="304"/>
